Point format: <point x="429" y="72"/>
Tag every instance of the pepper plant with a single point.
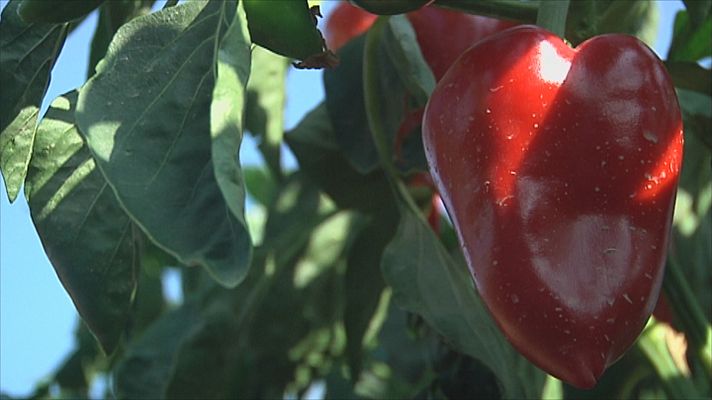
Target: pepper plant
<point x="342" y="274"/>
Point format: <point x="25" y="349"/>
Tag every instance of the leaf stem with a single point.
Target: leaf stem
<point x="505" y="9"/>
<point x="552" y="16"/>
<point x="271" y="153"/>
<point x="374" y="106"/>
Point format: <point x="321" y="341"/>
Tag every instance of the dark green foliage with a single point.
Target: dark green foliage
<point x="332" y="277"/>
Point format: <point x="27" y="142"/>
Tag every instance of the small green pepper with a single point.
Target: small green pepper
<point x="288" y="28"/>
<point x="390" y="7"/>
<point x="58" y="12"/>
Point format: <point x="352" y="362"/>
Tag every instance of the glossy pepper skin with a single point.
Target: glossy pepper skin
<point x="559" y="168"/>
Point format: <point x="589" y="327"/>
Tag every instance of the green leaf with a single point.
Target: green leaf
<point x="403" y="48"/>
<point x="27" y="55"/>
<point x="653" y="344"/>
<point x="552" y="16"/>
<point x="260" y="185"/>
<point x="401" y="366"/>
<point x="344" y="87"/>
<point x="337" y="386"/>
<point x="314" y="145"/>
<point x="113" y="14"/>
<point x="426" y="281"/>
<point x="293" y="214"/>
<point x="149" y="301"/>
<point x="264" y="113"/>
<point x="76" y="373"/>
<point x="70" y="375"/>
<point x="87" y="236"/>
<point x="147" y="118"/>
<point x="305" y="246"/>
<point x="363" y="285"/>
<point x="398" y="114"/>
<point x="202" y="362"/>
<point x="241" y="351"/>
<point x="327" y="244"/>
<point x="693" y="205"/>
<point x="304" y="296"/>
<point x="226" y="124"/>
<point x="696" y="115"/>
<point x="690" y="43"/>
<point x="345" y="104"/>
<point x="145" y="369"/>
<point x="552" y="388"/>
<point x="694" y="104"/>
<point x="463" y="377"/>
<point x="698" y="10"/>
<point x="690" y="76"/>
<point x="206" y="362"/>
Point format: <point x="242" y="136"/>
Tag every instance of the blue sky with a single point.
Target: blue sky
<point x="37" y="318"/>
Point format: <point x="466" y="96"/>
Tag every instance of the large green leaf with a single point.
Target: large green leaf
<point x="147" y="366"/>
<point x="113" y="14"/>
<point x="693" y="206"/>
<point x="690" y="75"/>
<point x="363" y="285"/>
<point x="314" y="145"/>
<point x="696" y="115"/>
<point x="148" y="118"/>
<point x="87" y="236"/>
<point x="189" y="345"/>
<point x="425" y="280"/>
<point x="202" y="365"/>
<point x="149" y="300"/>
<point x="344" y="102"/>
<point x="690" y="42"/>
<point x="264" y="113"/>
<point x="259" y="184"/>
<point x="698" y="10"/>
<point x="70" y="376"/>
<point x="27" y="55"/>
<point x="344" y="88"/>
<point x="402" y="46"/>
<point x="226" y="124"/>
